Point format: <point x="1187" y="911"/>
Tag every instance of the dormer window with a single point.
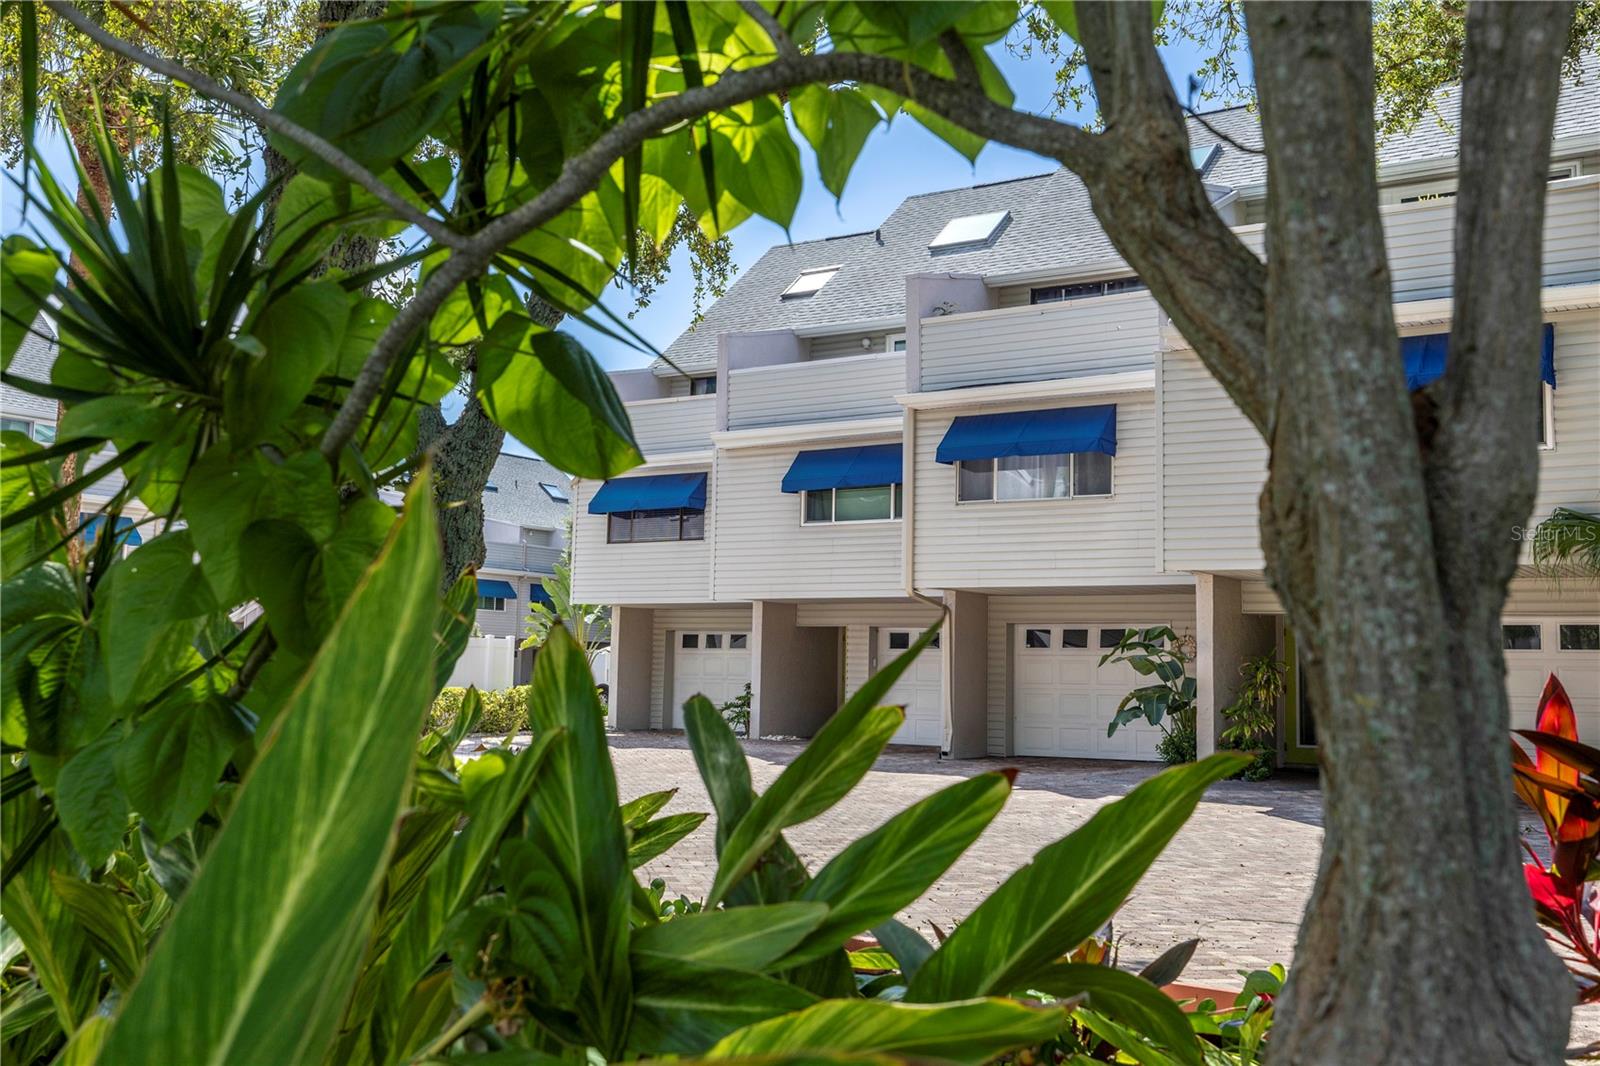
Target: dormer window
<point x="705" y="386"/>
<point x="1084" y="290"/>
<point x="809" y="282"/>
<point x="969" y="232"/>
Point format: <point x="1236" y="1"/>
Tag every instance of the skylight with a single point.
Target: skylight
<point x="809" y="282"/>
<point x="969" y="230"/>
<point x="555" y="492"/>
<point x="1204" y="156"/>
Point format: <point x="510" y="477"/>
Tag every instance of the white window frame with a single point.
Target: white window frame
<point x="34" y="425"/>
<point x="1548" y="402"/>
<point x="994" y="481"/>
<point x="896" y="502"/>
<point x="888" y="342"/>
<point x="501" y="600"/>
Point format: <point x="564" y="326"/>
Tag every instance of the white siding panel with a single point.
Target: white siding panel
<point x="1257" y="597"/>
<point x="675" y="572"/>
<point x="845" y="344"/>
<point x="680" y="424"/>
<point x="763" y="552"/>
<point x="1569" y="473"/>
<point x="1033" y="543"/>
<point x="1213" y="466"/>
<point x="716" y="617"/>
<point x="821" y="390"/>
<point x="1034" y="343"/>
<point x="511" y="622"/>
<point x="1153" y="607"/>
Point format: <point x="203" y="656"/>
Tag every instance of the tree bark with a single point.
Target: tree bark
<point x="1386" y="519"/>
<point x="464" y="452"/>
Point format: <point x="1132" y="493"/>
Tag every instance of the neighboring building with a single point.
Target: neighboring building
<point x="978" y="405"/>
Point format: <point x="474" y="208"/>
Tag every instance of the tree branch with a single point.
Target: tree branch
<point x="266" y="117"/>
<point x="967" y="106"/>
<point x="773" y="28"/>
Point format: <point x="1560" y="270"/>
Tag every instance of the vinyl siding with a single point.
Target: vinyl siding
<point x="858" y="620"/>
<point x="1530" y="595"/>
<point x="673" y="572"/>
<point x="845" y="344"/>
<point x="862" y="386"/>
<point x="680" y="424"/>
<point x="727" y="618"/>
<point x="1214" y="464"/>
<point x="1034" y="343"/>
<point x="763" y="552"/>
<point x="1033" y="543"/>
<point x="1173" y="607"/>
<point x="511" y="622"/>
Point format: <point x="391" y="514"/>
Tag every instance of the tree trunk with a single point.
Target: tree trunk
<point x="1386" y="519"/>
<point x="1418" y="943"/>
<point x="464" y="452"/>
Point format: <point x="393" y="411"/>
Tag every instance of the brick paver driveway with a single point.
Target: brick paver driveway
<point x="1238" y="874"/>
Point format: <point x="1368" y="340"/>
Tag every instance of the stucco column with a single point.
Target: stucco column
<point x="965" y="646"/>
<point x="1224" y="638"/>
<point x="631" y="629"/>
<point x="794" y="672"/>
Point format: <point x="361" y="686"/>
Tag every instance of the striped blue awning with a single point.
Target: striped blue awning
<point x="1426" y="356"/>
<point x="126" y="532"/>
<point x="656" y="492"/>
<point x="1051" y="432"/>
<point x="844" y="468"/>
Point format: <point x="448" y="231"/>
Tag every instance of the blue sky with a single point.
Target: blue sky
<point x="900" y="160"/>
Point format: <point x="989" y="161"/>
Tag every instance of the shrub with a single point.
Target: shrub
<point x="736" y="712"/>
<point x="1178" y="743"/>
<point x="505" y="711"/>
<point x="1253" y="716"/>
<point x="1161" y="653"/>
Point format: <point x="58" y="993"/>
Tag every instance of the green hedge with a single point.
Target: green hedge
<point x="504" y="712"/>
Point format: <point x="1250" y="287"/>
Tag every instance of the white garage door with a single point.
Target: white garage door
<point x="1064" y="699"/>
<point x="1566" y="647"/>
<point x="918" y="690"/>
<point x="713" y="665"/>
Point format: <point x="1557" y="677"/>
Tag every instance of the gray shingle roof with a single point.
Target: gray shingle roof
<point x="518" y="498"/>
<point x="1052" y="227"/>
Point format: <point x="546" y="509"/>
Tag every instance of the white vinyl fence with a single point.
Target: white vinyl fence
<point x="488" y="663"/>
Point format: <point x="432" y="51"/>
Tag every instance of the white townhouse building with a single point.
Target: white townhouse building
<point x="978" y="405"/>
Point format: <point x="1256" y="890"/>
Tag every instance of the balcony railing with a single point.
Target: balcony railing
<point x="677" y="424"/>
<point x="816" y="390"/>
<point x="529" y="558"/>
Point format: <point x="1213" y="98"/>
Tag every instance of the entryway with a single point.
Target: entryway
<point x="920" y="689"/>
<point x="715" y="665"/>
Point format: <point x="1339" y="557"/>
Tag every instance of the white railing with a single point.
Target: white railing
<point x="816" y="390"/>
<point x="675" y="424"/>
<point x="532" y="558"/>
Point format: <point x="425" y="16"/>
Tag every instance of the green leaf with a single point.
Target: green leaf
<point x="843" y="750"/>
<point x="575" y="824"/>
<point x="22" y="541"/>
<point x="836" y="123"/>
<point x="108" y="921"/>
<point x="684" y="1009"/>
<point x="89" y="801"/>
<point x="970" y="1032"/>
<point x="300" y="333"/>
<point x="742" y="938"/>
<point x="1128" y="1042"/>
<point x="472" y="310"/>
<point x="636" y="812"/>
<point x="654" y="839"/>
<point x="147" y="608"/>
<point x="58" y="949"/>
<point x="169" y="766"/>
<point x="757" y="158"/>
<point x="1064" y="13"/>
<point x="280" y="907"/>
<point x="907" y="946"/>
<point x="27" y="277"/>
<point x="1127" y="999"/>
<point x="549" y="393"/>
<point x="896" y="863"/>
<point x="1068" y="891"/>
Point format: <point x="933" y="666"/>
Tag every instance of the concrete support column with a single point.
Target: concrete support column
<point x="1224" y="638"/>
<point x="965" y="644"/>
<point x="794" y="672"/>
<point x="631" y="633"/>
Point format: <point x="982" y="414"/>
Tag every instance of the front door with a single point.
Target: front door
<point x="920" y="689"/>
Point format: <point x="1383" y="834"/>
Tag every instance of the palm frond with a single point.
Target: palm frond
<point x="1567" y="544"/>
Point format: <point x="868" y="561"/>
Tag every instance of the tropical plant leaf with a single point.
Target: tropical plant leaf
<point x="896" y="863"/>
<point x="909" y="948"/>
<point x="310" y="832"/>
<point x="27" y="278"/>
<point x="970" y="1032"/>
<point x="636" y="812"/>
<point x="684" y="1009"/>
<point x="1127" y="999"/>
<point x="1070" y="889"/>
<point x="1168" y="966"/>
<point x="109" y="923"/>
<point x="741" y="938"/>
<point x="654" y="839"/>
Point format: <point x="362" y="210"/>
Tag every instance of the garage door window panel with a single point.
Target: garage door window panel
<point x="1521" y="637"/>
<point x="1580" y="637"/>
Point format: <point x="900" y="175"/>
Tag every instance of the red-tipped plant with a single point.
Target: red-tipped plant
<point x="1562" y="783"/>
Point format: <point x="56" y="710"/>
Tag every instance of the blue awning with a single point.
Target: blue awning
<point x="488" y="586"/>
<point x="537" y="594"/>
<point x="657" y="492"/>
<point x="126" y="533"/>
<point x="844" y="468"/>
<point x="1425" y="358"/>
<point x="1053" y="432"/>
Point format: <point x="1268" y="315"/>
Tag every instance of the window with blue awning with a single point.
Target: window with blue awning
<point x="1425" y="358"/>
<point x="1058" y="431"/>
<point x="845" y="468"/>
<point x="537" y="594"/>
<point x="654" y="492"/>
<point x="127" y="533"/>
<point x="496" y="589"/>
